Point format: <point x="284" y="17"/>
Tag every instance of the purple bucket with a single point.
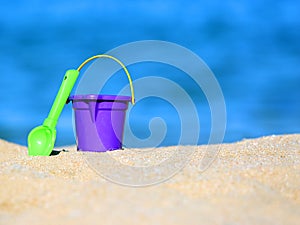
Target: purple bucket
<point x="99" y="121"/>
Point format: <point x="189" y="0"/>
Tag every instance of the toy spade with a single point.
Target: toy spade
<point x="42" y="138"/>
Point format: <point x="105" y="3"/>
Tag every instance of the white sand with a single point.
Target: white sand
<point x="251" y="182"/>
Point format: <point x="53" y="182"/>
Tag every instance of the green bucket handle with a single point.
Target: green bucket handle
<point x="120" y="63"/>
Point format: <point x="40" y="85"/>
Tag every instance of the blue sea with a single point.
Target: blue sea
<point x="251" y="46"/>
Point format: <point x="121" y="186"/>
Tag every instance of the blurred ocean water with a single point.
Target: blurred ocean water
<point x="252" y="47"/>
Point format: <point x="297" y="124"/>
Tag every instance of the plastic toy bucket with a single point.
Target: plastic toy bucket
<point x="99" y="121"/>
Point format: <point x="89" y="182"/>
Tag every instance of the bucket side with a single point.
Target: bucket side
<point x="99" y="123"/>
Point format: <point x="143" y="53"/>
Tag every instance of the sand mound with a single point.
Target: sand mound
<point x="251" y="182"/>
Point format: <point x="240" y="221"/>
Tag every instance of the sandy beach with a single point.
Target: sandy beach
<point x="255" y="181"/>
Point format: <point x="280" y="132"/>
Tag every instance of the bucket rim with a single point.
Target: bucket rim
<point x="100" y="97"/>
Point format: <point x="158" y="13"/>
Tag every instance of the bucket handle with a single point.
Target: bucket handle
<point x="119" y="62"/>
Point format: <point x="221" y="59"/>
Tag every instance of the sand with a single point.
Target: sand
<point x="254" y="181"/>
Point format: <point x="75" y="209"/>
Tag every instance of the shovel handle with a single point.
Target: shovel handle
<point x="61" y="98"/>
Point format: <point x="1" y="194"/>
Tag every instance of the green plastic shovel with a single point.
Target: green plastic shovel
<point x="42" y="138"/>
